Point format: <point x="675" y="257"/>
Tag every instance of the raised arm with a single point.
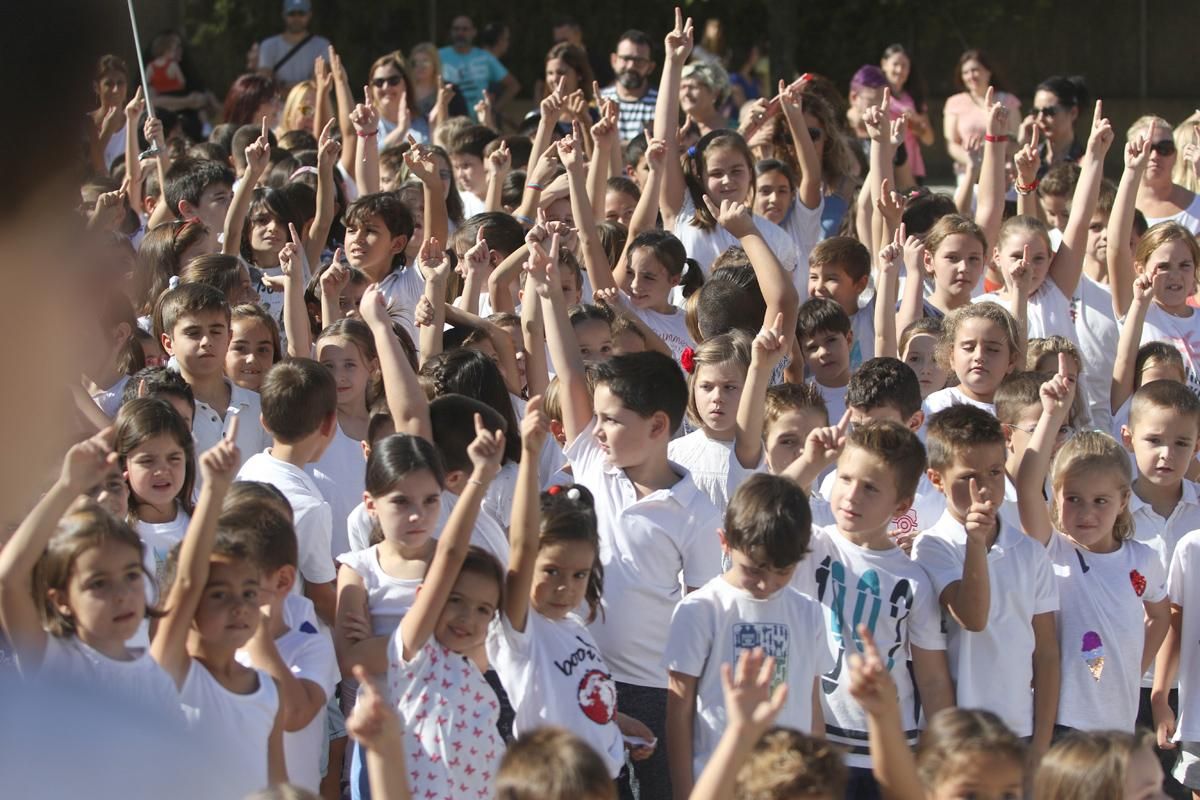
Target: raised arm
<point x="969" y="600"/>
<point x="766" y="351"/>
<point x="1125" y="365"/>
<point x="1027" y="162"/>
<point x="1067" y="263"/>
<point x="1057" y="394"/>
<point x="964" y="194"/>
<point x="345" y="104"/>
<point x="646" y="211"/>
<point x="300" y="698"/>
<point x="435" y="267"/>
<point x="329" y="150"/>
<point x="594" y="258"/>
<point x="133" y="166"/>
<point x="887" y="279"/>
<point x="533" y="335"/>
<point x="365" y="120"/>
<point x="420" y="163"/>
<point x="989" y="207"/>
<point x="486" y="452"/>
<point x="498" y="165"/>
<point x="1120" y="224"/>
<point x="506" y="354"/>
<point x="405" y="399"/>
<point x="678" y="45"/>
<point x="474" y="264"/>
<point x="376" y="727"/>
<point x="84" y="466"/>
<point x="525" y="526"/>
<point x="912" y="305"/>
<point x="295" y="312"/>
<point x="503" y="274"/>
<point x="791" y="100"/>
<point x="604" y="134"/>
<point x="169" y="647"/>
<point x="258" y="155"/>
<point x="821" y="448"/>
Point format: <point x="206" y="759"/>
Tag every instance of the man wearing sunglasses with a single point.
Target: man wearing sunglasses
<point x="473" y="70"/>
<point x="633" y="63"/>
<point x="288" y="57"/>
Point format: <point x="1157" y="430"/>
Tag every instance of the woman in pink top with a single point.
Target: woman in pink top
<point x="965" y="115"/>
<point x="908" y="95"/>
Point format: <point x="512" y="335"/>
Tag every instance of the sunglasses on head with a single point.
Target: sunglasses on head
<point x="1165" y="148"/>
<point x="390" y="80"/>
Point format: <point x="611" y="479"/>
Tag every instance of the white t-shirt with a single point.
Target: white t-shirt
<point x="835" y="400"/>
<point x="803" y="225"/>
<point x="1183" y="589"/>
<point x="716" y="623"/>
<point x="671" y="328"/>
<point x="487" y="533"/>
<point x="402" y="288"/>
<point x="109" y="400"/>
<point x="237" y="725"/>
<point x="928" y="505"/>
<point x="449" y="716"/>
<point x="1101" y="630"/>
<point x="993" y="668"/>
<point x="891" y="595"/>
<point x="1188" y="218"/>
<point x="309" y="654"/>
<point x="1047" y="314"/>
<point x="704" y="246"/>
<point x="1097" y="333"/>
<point x="713" y="464"/>
<point x="862" y="322"/>
<point x="645" y="544"/>
<point x="208" y="427"/>
<point x="341" y="476"/>
<point x="359" y="527"/>
<point x="158" y="538"/>
<point x="554" y="675"/>
<point x="950" y="396"/>
<point x="140" y="681"/>
<point x="1182" y="332"/>
<point x="313" y="518"/>
<point x="498" y="499"/>
<point x="388" y="598"/>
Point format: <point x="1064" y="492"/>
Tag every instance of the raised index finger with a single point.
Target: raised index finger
<point x="326" y="130"/>
<point x="1098" y="114"/>
<point x="264" y="127"/>
<point x="678" y="20"/>
<point x="231" y="434"/>
<point x="1062" y="366"/>
<point x="975" y="496"/>
<point x="843" y="424"/>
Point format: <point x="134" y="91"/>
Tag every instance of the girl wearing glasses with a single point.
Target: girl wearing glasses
<point x="1056" y="105"/>
<point x="1158" y="196"/>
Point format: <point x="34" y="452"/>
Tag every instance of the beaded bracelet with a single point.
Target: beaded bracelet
<point x="1027" y="188"/>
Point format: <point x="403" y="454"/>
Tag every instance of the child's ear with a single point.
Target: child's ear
<point x="455" y="478"/>
<point x="1127" y="438"/>
<point x="329" y="425"/>
<point x="935" y="478"/>
<point x="860" y="285"/>
<point x="903" y="506"/>
<point x="660" y="425"/>
<point x="366" y="448"/>
<point x="916" y="421"/>
<point x="285" y="579"/>
<point x="369" y="503"/>
<point x="165" y="341"/>
<point x="122" y="332"/>
<point x="724" y="542"/>
<point x="399" y="243"/>
<point x="186" y="210"/>
<point x="1008" y="435"/>
<point x="850" y="338"/>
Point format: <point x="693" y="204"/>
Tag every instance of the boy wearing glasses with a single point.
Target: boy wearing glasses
<point x="995" y="585"/>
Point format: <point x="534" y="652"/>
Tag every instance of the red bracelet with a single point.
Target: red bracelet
<point x="989" y="138"/>
<point x="365" y="134"/>
<point x="1027" y="188"/>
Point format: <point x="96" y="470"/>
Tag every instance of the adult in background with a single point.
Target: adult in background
<point x="1056" y="104"/>
<point x="908" y="96"/>
<point x="288" y="57"/>
<point x="1159" y="198"/>
<point x="965" y="114"/>
<point x="633" y="63"/>
<point x="473" y="70"/>
<point x="568" y="29"/>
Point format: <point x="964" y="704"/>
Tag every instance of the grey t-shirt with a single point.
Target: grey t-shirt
<point x="300" y="66"/>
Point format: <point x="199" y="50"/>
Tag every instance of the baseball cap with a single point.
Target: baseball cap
<point x="297" y="6"/>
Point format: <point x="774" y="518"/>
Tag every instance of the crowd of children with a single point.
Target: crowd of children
<point x="473" y="465"/>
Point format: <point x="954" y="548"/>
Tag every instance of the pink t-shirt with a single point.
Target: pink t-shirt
<point x="972" y="118"/>
<point x="903" y="103"/>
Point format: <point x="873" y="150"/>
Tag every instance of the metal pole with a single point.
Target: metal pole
<point x="137" y="43"/>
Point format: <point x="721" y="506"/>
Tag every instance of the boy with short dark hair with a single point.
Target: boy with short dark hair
<point x="1018" y="408"/>
<point x="378" y="227"/>
<point x="299" y="410"/>
<point x="839" y="268"/>
<point x="792" y="411"/>
<point x="654" y="522"/>
<point x="200" y="189"/>
<point x="164" y="383"/>
<point x="825" y="337"/>
<point x="995" y="584"/>
<point x="861" y="577"/>
<point x="466" y="149"/>
<point x="751" y="606"/>
<point x="192" y="323"/>
<point x="301" y="659"/>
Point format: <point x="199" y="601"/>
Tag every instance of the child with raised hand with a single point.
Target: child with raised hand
<point x="729" y="373"/>
<point x="157" y="454"/>
<point x="375" y="727"/>
<point x="995" y="585"/>
<point x="654" y="522"/>
<point x="751" y="605"/>
<point x="963" y="752"/>
<point x="1054" y="274"/>
<point x="1112" y="589"/>
<point x="755" y="761"/>
<point x="94" y="600"/>
<point x="859" y="575"/>
<point x="720" y="167"/>
<point x="212" y="610"/>
<point x="448" y="710"/>
<point x="953" y="255"/>
<point x="550" y="666"/>
<point x="980" y="344"/>
<point x="801" y="217"/>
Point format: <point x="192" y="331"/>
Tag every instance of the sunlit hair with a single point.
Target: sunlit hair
<point x="958" y="735"/>
<point x="727" y="348"/>
<point x="1165" y="233"/>
<point x="993" y="312"/>
<point x="553" y="764"/>
<point x="1089" y="766"/>
<point x="1092" y="452"/>
<point x="788" y="765"/>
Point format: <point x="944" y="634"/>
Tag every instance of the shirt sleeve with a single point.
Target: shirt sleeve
<point x="925" y="623"/>
<point x="266" y="54"/>
<point x="1156" y="577"/>
<point x="314" y="532"/>
<point x="702" y="552"/>
<point x="496" y="70"/>
<point x="1179" y="568"/>
<point x="690" y="637"/>
<point x="939" y="559"/>
<point x="1044" y="586"/>
<point x="585" y="457"/>
<point x="317" y="662"/>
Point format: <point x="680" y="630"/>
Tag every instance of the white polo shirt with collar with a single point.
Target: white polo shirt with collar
<point x="208" y="426"/>
<point x="993" y="668"/>
<point x="1163" y="534"/>
<point x="646" y="544"/>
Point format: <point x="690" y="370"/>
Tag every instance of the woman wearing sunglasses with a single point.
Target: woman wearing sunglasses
<point x="1159" y="198"/>
<point x="395" y="99"/>
<point x="299" y="109"/>
<point x="1056" y="104"/>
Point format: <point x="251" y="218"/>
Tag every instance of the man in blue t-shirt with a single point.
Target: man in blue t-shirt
<point x="472" y="70"/>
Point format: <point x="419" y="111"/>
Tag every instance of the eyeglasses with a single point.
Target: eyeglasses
<point x="1165" y="148"/>
<point x="815" y="134"/>
<point x="637" y="61"/>
<point x="1048" y="111"/>
<point x="1065" y="432"/>
<point x="390" y="80"/>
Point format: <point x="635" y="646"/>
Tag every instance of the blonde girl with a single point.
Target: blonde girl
<point x="1169" y="255"/>
<point x="90" y="595"/>
<point x="1114" y="612"/>
<point x="253" y="345"/>
<point x="554" y="569"/>
<point x="728" y="377"/>
<point x="918" y="349"/>
<point x="1107" y="765"/>
<point x="156" y="451"/>
<point x="980" y="344"/>
<point x="963" y="752"/>
<point x="299" y="109"/>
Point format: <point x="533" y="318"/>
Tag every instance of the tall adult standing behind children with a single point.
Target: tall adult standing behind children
<point x="633" y="61"/>
<point x="288" y="57"/>
<point x="472" y="70"/>
<point x="965" y="114"/>
<point x="908" y="96"/>
<point x="1158" y="196"/>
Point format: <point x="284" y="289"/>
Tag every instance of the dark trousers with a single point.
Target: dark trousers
<point x="1145" y="719"/>
<point x="861" y="785"/>
<point x="651" y="777"/>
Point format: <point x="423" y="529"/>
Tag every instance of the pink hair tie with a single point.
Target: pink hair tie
<point x="302" y="171"/>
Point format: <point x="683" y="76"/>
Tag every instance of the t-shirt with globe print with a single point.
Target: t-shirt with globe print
<point x="554" y="675"/>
